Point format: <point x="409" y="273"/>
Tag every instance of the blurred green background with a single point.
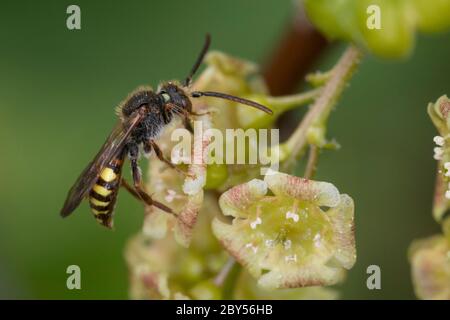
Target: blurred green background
<point x="58" y="90"/>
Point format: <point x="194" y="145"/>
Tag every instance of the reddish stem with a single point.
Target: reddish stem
<point x="299" y="48"/>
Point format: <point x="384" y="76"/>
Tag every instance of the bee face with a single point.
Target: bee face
<point x="173" y="94"/>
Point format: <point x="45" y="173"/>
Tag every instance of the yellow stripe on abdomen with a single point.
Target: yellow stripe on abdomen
<point x="103" y="194"/>
<point x="101" y="190"/>
<point x="97" y="212"/>
<point x="108" y="175"/>
<point x="98" y="203"/>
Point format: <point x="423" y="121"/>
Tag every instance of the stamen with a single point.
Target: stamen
<point x="255" y="223"/>
<point x="287" y="244"/>
<point x="447" y="194"/>
<point x="439" y="140"/>
<point x="251" y="246"/>
<point x="317" y="240"/>
<point x="292" y="215"/>
<point x="292" y="257"/>
<point x="269" y="243"/>
<point x="171" y="194"/>
<point x="438" y="153"/>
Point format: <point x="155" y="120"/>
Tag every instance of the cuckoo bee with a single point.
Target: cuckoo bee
<point x="142" y="116"/>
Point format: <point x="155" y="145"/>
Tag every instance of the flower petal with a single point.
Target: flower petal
<point x="247" y="288"/>
<point x="321" y="193"/>
<point x="236" y="199"/>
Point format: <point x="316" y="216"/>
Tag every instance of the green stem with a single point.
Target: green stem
<point x="311" y="165"/>
<point x="286" y="103"/>
<point x="319" y="78"/>
<point x="321" y="108"/>
<point x="227" y="278"/>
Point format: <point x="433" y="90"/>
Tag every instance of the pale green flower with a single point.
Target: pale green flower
<point x="227" y="74"/>
<point x="162" y="269"/>
<point x="184" y="195"/>
<point x="289" y="232"/>
<point x="430" y="262"/>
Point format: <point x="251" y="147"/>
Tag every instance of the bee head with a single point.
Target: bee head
<point x="173" y="94"/>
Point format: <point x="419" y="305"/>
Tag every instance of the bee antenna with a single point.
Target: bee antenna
<point x="198" y="94"/>
<point x="199" y="60"/>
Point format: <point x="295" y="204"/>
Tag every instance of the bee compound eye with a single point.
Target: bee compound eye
<point x="165" y="96"/>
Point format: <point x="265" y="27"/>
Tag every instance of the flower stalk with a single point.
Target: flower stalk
<point x="227" y="278"/>
<point x="320" y="110"/>
<point x="281" y="232"/>
<point x="311" y="165"/>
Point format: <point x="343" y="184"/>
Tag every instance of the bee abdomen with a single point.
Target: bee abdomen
<point x="103" y="194"/>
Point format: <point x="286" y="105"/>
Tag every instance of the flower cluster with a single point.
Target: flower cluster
<point x="430" y="258"/>
<point x="430" y="261"/>
<point x="291" y="236"/>
<point x="162" y="269"/>
<point x="440" y="116"/>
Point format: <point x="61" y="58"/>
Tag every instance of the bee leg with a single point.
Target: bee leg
<point x="161" y="157"/>
<point x="187" y="121"/>
<point x="188" y="125"/>
<point x="145" y="197"/>
<point x="139" y="190"/>
<point x="192" y="113"/>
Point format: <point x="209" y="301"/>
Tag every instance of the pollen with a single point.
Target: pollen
<point x="287" y="244"/>
<point x="292" y="215"/>
<point x="317" y="240"/>
<point x="439" y="140"/>
<point x="438" y="153"/>
<point x="269" y="243"/>
<point x="447" y="194"/>
<point x="292" y="257"/>
<point x="447" y="168"/>
<point x="255" y="223"/>
<point x="251" y="246"/>
<point x="171" y="194"/>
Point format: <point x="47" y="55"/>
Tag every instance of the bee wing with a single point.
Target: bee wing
<point x="113" y="144"/>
